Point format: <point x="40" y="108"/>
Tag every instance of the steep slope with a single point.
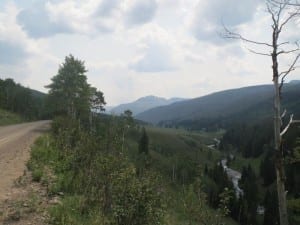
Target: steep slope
<point x="225" y="106"/>
<point x="143" y="104"/>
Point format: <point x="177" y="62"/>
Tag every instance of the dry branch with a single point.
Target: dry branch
<point x="258" y="53"/>
<point x="287" y="126"/>
<point x="283" y="114"/>
<point x="232" y="35"/>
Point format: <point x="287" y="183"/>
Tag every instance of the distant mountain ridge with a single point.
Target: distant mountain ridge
<point x="143" y="104"/>
<point x="248" y="103"/>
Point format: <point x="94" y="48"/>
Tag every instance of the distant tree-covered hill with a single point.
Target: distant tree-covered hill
<point x="28" y="103"/>
<point x="143" y="104"/>
<point x="219" y="109"/>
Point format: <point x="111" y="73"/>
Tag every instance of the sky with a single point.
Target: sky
<point x="135" y="48"/>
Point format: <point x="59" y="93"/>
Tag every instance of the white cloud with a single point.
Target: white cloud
<point x="13" y="43"/>
<point x="38" y="22"/>
<point x="11" y="53"/>
<point x="158" y="49"/>
<point x="157" y="58"/>
<point x="208" y="17"/>
<point x="139" y="12"/>
<point x="85" y="17"/>
<point x="69" y="16"/>
<point x="107" y="7"/>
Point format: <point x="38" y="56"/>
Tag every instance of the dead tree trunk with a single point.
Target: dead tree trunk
<point x="282" y="12"/>
<point x="279" y="162"/>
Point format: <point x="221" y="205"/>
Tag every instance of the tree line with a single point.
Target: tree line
<point x="18" y="99"/>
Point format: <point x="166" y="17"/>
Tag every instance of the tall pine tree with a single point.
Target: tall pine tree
<point x="144" y="143"/>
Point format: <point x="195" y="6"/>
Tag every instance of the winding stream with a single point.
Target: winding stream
<point x="234" y="176"/>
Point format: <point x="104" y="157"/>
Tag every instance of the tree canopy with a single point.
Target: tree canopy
<point x="70" y="94"/>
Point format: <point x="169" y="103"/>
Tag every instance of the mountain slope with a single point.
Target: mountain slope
<point x="143" y="104"/>
<point x="225" y="106"/>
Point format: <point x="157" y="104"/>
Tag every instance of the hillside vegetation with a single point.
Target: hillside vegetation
<point x="20" y="103"/>
<point x="104" y="185"/>
<point x="110" y="170"/>
<point x="220" y="109"/>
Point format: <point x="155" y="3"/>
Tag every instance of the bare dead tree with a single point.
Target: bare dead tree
<point x="282" y="13"/>
<point x="290" y="3"/>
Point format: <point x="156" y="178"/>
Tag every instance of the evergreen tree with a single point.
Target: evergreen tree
<point x="271" y="209"/>
<point x="97" y="100"/>
<point x="267" y="168"/>
<point x="250" y="198"/>
<point x="144" y="143"/>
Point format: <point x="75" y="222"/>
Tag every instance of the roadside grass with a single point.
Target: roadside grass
<point x="7" y="118"/>
<point x="43" y="159"/>
<point x="69" y="211"/>
<point x="46" y="168"/>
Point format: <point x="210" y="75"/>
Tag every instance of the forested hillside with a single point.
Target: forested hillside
<point x="221" y="109"/>
<point x="25" y="103"/>
<point x="143" y="104"/>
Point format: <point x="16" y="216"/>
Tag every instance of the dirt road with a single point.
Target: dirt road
<point x="15" y="142"/>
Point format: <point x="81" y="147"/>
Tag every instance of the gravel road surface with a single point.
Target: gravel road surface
<point x="15" y="142"/>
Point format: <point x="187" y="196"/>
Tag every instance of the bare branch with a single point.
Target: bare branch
<point x="291" y="16"/>
<point x="287" y="3"/>
<point x="258" y="53"/>
<point x="285" y="73"/>
<point x="287" y="52"/>
<point x="281" y="8"/>
<point x="232" y="35"/>
<point x="287" y="126"/>
<point x="282" y="117"/>
<point x="281" y="83"/>
<point x="283" y="43"/>
<point x="291" y="68"/>
<point x="272" y="14"/>
<point x="283" y="114"/>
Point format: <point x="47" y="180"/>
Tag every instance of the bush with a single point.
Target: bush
<point x="37" y="174"/>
